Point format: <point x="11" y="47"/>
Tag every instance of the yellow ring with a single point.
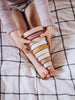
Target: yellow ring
<point x="44" y="46"/>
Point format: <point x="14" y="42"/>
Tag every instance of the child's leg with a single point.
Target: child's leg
<point x="34" y="21"/>
<point x="32" y="16"/>
<point x="22" y="28"/>
<point x="20" y="22"/>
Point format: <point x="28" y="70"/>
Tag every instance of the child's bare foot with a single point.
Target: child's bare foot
<point x="51" y="71"/>
<point x="48" y="65"/>
<point x="43" y="72"/>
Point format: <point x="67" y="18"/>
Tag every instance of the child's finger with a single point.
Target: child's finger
<point x="26" y="41"/>
<point x="43" y="35"/>
<point x="25" y="49"/>
<point x="49" y="42"/>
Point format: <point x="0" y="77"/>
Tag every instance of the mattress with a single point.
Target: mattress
<point x="18" y="78"/>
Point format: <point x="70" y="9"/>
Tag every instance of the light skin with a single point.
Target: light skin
<point x="20" y="42"/>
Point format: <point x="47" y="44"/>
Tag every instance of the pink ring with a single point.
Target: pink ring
<point x="35" y="35"/>
<point x="45" y="60"/>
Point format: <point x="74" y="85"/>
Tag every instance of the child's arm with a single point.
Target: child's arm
<point x="45" y="18"/>
<point x="48" y="33"/>
<point x="19" y="41"/>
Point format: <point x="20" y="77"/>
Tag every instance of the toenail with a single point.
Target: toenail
<point x="48" y="76"/>
<point x="51" y="74"/>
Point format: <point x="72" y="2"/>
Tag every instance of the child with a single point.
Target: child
<point x="11" y="15"/>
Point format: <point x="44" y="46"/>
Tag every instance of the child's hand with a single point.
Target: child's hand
<point x="19" y="41"/>
<point x="48" y="35"/>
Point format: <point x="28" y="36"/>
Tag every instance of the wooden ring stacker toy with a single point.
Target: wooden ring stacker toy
<point x="39" y="46"/>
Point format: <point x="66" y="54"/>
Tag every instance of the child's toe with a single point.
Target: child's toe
<point x="43" y="76"/>
<point x="48" y="76"/>
<point x="51" y="71"/>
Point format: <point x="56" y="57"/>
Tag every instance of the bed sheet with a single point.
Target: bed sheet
<point x="18" y="78"/>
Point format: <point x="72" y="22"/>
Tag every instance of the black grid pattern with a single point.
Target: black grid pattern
<point x="18" y="79"/>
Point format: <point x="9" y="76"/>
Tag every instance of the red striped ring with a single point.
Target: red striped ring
<point x="35" y="35"/>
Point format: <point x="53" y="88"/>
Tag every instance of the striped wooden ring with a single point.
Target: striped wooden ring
<point x="35" y="35"/>
<point x="41" y="52"/>
<point x="38" y="44"/>
<point x="44" y="56"/>
<point x="47" y="64"/>
<point x="33" y="30"/>
<point x="45" y="60"/>
<point x="34" y="41"/>
<point x="44" y="46"/>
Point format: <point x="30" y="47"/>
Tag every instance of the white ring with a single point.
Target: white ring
<point x="33" y="30"/>
<point x="41" y="52"/>
<point x="43" y="56"/>
<point x="38" y="44"/>
<point x="47" y="64"/>
<point x="36" y="40"/>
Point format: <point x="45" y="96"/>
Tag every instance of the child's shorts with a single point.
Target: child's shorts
<point x="23" y="6"/>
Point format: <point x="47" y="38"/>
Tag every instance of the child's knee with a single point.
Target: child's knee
<point x="32" y="16"/>
<point x="29" y="9"/>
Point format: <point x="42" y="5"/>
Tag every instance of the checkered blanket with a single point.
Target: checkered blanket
<point x="18" y="78"/>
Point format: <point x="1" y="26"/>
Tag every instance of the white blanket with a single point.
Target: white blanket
<point x="18" y="78"/>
